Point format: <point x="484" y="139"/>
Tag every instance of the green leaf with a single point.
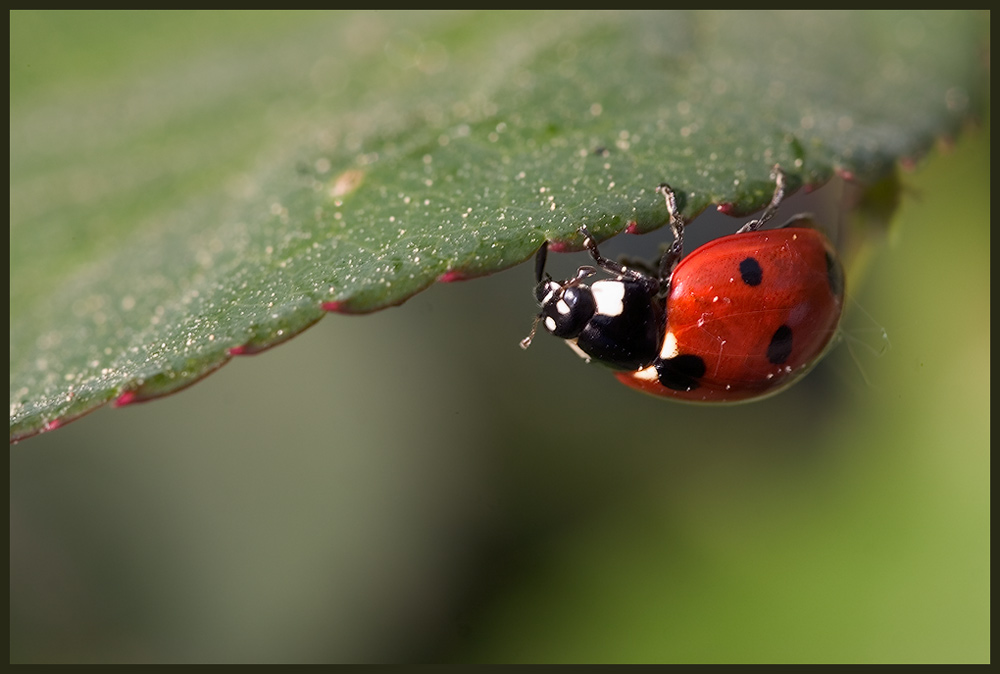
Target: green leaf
<point x="188" y="187"/>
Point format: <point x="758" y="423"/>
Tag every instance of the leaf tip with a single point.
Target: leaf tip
<point x="728" y="208"/>
<point x="452" y="276"/>
<point x="126" y="398"/>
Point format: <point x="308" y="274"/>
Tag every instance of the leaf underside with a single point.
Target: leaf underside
<point x="163" y="221"/>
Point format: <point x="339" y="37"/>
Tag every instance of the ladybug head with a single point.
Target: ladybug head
<point x="566" y="306"/>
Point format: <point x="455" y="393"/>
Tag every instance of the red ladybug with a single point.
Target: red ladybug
<point x="740" y="318"/>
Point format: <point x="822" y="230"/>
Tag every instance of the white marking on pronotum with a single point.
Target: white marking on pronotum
<point x="562" y="307"/>
<point x="580" y="352"/>
<point x="609" y="297"/>
<point x="669" y="349"/>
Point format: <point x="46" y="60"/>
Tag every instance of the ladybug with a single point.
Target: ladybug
<point x="740" y="318"/>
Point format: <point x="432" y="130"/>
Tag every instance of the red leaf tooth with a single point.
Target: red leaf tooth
<point x="451" y="276"/>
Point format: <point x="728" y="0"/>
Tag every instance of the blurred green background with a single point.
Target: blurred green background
<point x="411" y="486"/>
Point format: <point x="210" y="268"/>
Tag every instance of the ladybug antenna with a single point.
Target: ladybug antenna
<point x="526" y="342"/>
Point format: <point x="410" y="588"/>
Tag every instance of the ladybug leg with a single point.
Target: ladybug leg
<point x="778" y="176"/>
<point x="542" y="279"/>
<point x="672" y="255"/>
<point x="613" y="267"/>
<point x="540" y="258"/>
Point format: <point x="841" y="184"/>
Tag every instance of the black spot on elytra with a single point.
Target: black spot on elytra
<point x="780" y="347"/>
<point x="751" y="272"/>
<point x="681" y="373"/>
<point x="835" y="275"/>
